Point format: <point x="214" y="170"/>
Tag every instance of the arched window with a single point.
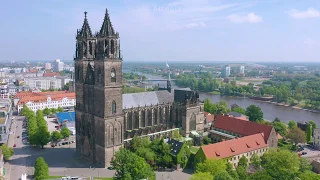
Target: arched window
<point x="106" y="44"/>
<point x="112" y="46"/>
<point x="114" y="107"/>
<point x="113" y="75"/>
<point x="90" y="47"/>
<point x="84" y="48"/>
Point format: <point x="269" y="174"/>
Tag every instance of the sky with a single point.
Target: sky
<point x="167" y="30"/>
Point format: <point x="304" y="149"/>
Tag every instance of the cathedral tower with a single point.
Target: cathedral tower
<point x="99" y="116"/>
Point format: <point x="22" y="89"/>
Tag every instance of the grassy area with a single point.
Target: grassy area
<point x="215" y="92"/>
<point x="194" y="149"/>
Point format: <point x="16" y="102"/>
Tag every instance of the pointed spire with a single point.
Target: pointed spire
<point x="85" y="31"/>
<point x="107" y="28"/>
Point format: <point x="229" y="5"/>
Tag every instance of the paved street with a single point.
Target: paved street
<point x="62" y="160"/>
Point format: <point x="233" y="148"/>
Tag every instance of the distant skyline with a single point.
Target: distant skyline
<point x="167" y="30"/>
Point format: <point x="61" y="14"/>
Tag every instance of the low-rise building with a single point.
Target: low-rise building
<point x="226" y="127"/>
<point x="44" y="83"/>
<point x="316" y="138"/>
<point x="233" y="149"/>
<point x="5" y="119"/>
<point x="41" y="100"/>
<point x="180" y="152"/>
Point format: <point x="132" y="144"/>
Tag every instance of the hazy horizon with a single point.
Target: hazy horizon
<point x="172" y="30"/>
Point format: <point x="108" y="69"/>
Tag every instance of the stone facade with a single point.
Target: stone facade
<point x="106" y="118"/>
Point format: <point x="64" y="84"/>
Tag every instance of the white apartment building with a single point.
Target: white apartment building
<point x="241" y="69"/>
<point x="58" y="66"/>
<point x="4" y="90"/>
<point x="47" y="66"/>
<point x="40" y="101"/>
<point x="44" y="83"/>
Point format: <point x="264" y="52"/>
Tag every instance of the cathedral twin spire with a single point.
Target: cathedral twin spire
<point x="106" y="28"/>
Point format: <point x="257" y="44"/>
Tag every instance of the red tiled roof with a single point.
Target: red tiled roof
<point x="42" y="96"/>
<point x="242" y="127"/>
<point x="234" y="147"/>
<point x="51" y="74"/>
<point x="210" y="118"/>
<point x="206" y="114"/>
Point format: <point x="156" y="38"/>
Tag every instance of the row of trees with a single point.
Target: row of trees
<point x="273" y="165"/>
<point x="47" y="111"/>
<point x="202" y="82"/>
<point x="38" y="133"/>
<point x="253" y="112"/>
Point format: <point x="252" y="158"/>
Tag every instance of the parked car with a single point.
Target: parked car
<point x="304" y="153"/>
<point x="18" y="136"/>
<point x="14" y="145"/>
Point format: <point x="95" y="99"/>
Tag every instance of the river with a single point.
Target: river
<point x="270" y="111"/>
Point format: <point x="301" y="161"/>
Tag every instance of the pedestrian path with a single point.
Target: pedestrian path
<point x="11" y="137"/>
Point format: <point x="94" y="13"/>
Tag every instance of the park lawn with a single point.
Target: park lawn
<point x="194" y="149"/>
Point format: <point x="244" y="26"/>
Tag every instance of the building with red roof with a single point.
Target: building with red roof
<point x="41" y="100"/>
<point x="51" y="74"/>
<point x="233" y="149"/>
<point x="226" y="127"/>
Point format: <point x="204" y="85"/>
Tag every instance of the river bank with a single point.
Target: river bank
<point x="270" y="110"/>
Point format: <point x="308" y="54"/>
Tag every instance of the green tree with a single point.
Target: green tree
<point x="223" y="176"/>
<point x="41" y="169"/>
<point x="231" y="171"/>
<point x="56" y="135"/>
<point x="65" y="132"/>
<point x="206" y="140"/>
<point x="130" y="166"/>
<point x="314" y="125"/>
<point x="176" y="135"/>
<point x="276" y="119"/>
<point x="60" y="109"/>
<point x="280" y="127"/>
<point x="304" y="165"/>
<point x="242" y="172"/>
<point x="260" y="175"/>
<point x="308" y="132"/>
<point x="298" y="97"/>
<point x="46" y="111"/>
<point x="201" y="176"/>
<point x="6" y="151"/>
<point x="281" y="164"/>
<point x="213" y="166"/>
<point x="296" y="135"/>
<point x="239" y="110"/>
<point x="292" y="124"/>
<point x="42" y="136"/>
<point x="207" y="105"/>
<point x="309" y="175"/>
<point x="53" y="110"/>
<point x="254" y="112"/>
<point x="243" y="161"/>
<point x="255" y="161"/>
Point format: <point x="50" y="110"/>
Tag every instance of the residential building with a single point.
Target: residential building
<point x="51" y="74"/>
<point x="43" y="83"/>
<point x="241" y="69"/>
<point x="47" y="66"/>
<point x="226" y="127"/>
<point x="58" y="65"/>
<point x="5" y="119"/>
<point x="316" y="138"/>
<point x="4" y="93"/>
<point x="42" y="100"/>
<point x="233" y="149"/>
<point x="180" y="152"/>
<point x="225" y="71"/>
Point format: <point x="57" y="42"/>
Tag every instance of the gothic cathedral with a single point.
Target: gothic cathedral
<point x="106" y="119"/>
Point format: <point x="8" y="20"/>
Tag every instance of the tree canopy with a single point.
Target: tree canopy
<point x="296" y="135"/>
<point x="130" y="166"/>
<point x="212" y="166"/>
<point x="41" y="169"/>
<point x="6" y="151"/>
<point x="254" y="112"/>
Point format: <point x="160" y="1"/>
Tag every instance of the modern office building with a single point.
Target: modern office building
<point x="225" y="71"/>
<point x="241" y="69"/>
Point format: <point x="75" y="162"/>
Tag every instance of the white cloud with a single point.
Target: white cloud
<point x="309" y="13"/>
<point x="249" y="18"/>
